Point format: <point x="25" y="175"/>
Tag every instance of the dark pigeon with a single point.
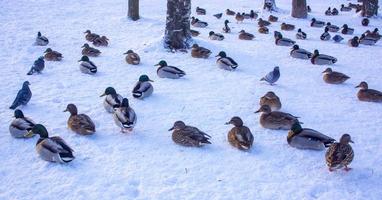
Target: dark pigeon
<point x="272" y="76"/>
<point x="38" y="66"/>
<point x="23" y="96"/>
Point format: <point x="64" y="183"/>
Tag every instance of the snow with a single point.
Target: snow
<point x="146" y="164"/>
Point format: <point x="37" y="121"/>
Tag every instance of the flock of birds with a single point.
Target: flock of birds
<point x="338" y="155"/>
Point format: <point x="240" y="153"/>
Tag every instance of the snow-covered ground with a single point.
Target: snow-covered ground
<point x="147" y="164"/>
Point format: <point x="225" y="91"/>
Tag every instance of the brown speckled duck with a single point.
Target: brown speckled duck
<point x="340" y="154"/>
<point x="79" y="123"/>
<point x="272" y="18"/>
<point x="274" y="119"/>
<point x="90" y="36"/>
<point x="262" y="22"/>
<point x="188" y="135"/>
<point x="239" y="136"/>
<point x="194" y="33"/>
<point x="287" y="27"/>
<point x="101" y="41"/>
<point x="245" y="36"/>
<point x="272" y="100"/>
<point x="200" y="52"/>
<point x="90" y="51"/>
<point x="230" y="12"/>
<point x="263" y="30"/>
<point x="132" y="58"/>
<point x="334" y="77"/>
<point x="366" y="94"/>
<point x="51" y="55"/>
<point x="239" y="18"/>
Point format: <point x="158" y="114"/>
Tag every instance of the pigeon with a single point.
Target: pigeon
<point x="23" y="96"/>
<point x="337" y="38"/>
<point x="38" y="66"/>
<point x="272" y="76"/>
<point x="218" y="16"/>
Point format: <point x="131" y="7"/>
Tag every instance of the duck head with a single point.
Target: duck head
<point x="39" y="34"/>
<point x="40" y="130"/>
<point x="129" y="51"/>
<point x="125" y="103"/>
<point x="236" y="121"/>
<point x="226" y="22"/>
<point x="88" y="32"/>
<point x="345" y="139"/>
<point x="221" y="54"/>
<point x="316" y="52"/>
<point x="26" y="84"/>
<point x="264" y="109"/>
<point x="211" y="33"/>
<point x="327" y="70"/>
<point x="86" y="45"/>
<point x="144" y="78"/>
<point x="178" y="125"/>
<point x="84" y="58"/>
<point x="362" y="85"/>
<point x="72" y="109"/>
<point x="295" y="47"/>
<point x="109" y="91"/>
<point x="48" y="50"/>
<point x="18" y="114"/>
<point x="161" y="63"/>
<point x="296" y="127"/>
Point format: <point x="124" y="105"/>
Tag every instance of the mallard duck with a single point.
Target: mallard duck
<point x="328" y="12"/>
<point x="346" y="30"/>
<point x="262" y="22"/>
<point x="225" y="62"/>
<point x="272" y="18"/>
<point x="280" y="41"/>
<point x="226" y="28"/>
<point x="194" y="33"/>
<point x="263" y="30"/>
<point x="272" y="100"/>
<point x="287" y="27"/>
<point x="197" y="23"/>
<point x="200" y="52"/>
<point x="21" y="125"/>
<point x="354" y="6"/>
<point x="132" y="58"/>
<point x="334" y="11"/>
<point x="239" y="18"/>
<point x="337" y="38"/>
<point x="366" y="94"/>
<point x="51" y="55"/>
<point x="245" y="36"/>
<point x="246" y="15"/>
<point x="215" y="36"/>
<point x="300" y="35"/>
<point x="200" y="11"/>
<point x="354" y="42"/>
<point x="344" y="9"/>
<point x="90" y="36"/>
<point x="334" y="77"/>
<point x="218" y="15"/>
<point x="230" y="12"/>
<point x="188" y="136"/>
<point x="340" y="154"/>
<point x="239" y="136"/>
<point x="316" y="23"/>
<point x="101" y="41"/>
<point x="125" y="117"/>
<point x="41" y="40"/>
<point x="365" y="22"/>
<point x="308" y="9"/>
<point x="53" y="149"/>
<point x="277" y="34"/>
<point x="23" y="96"/>
<point x="367" y="40"/>
<point x="79" y="123"/>
<point x="332" y="28"/>
<point x="165" y="71"/>
<point x="143" y="87"/>
<point x="112" y="99"/>
<point x="38" y="66"/>
<point x="306" y="138"/>
<point x="87" y="66"/>
<point x="253" y="15"/>
<point x="90" y="51"/>
<point x="326" y="35"/>
<point x="272" y="76"/>
<point x="274" y="119"/>
<point x="322" y="59"/>
<point x="297" y="52"/>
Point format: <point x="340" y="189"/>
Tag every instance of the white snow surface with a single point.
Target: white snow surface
<point x="146" y="164"/>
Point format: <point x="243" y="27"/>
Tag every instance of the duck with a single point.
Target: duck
<point x="226" y="28"/>
<point x="322" y="59"/>
<point x="297" y="52"/>
<point x="300" y="35"/>
<point x="52" y="149"/>
<point x="194" y="33"/>
<point x="246" y="15"/>
<point x="337" y="38"/>
<point x="332" y="28"/>
<point x="328" y="12"/>
<point x="308" y="9"/>
<point x="354" y="42"/>
<point x="374" y="35"/>
<point x="263" y="30"/>
<point x="277" y="34"/>
<point x="340" y="154"/>
<point x="21" y="126"/>
<point x="132" y="58"/>
<point x="253" y="15"/>
<point x="225" y="62"/>
<point x="280" y="41"/>
<point x="334" y="11"/>
<point x="197" y="23"/>
<point x="143" y="87"/>
<point x="125" y="117"/>
<point x="245" y="36"/>
<point x="51" y="55"/>
<point x="239" y="18"/>
<point x="326" y="35"/>
<point x="41" y="40"/>
<point x="215" y="36"/>
<point x="306" y="138"/>
<point x="365" y="22"/>
<point x="316" y="23"/>
<point x="23" y="96"/>
<point x="275" y="119"/>
<point x="262" y="22"/>
<point x="200" y="11"/>
<point x="230" y="12"/>
<point x="79" y="123"/>
<point x="287" y="27"/>
<point x="272" y="100"/>
<point x="369" y="95"/>
<point x="90" y="36"/>
<point x="272" y="76"/>
<point x="38" y="66"/>
<point x="239" y="136"/>
<point x="344" y="9"/>
<point x="165" y="71"/>
<point x="188" y="136"/>
<point x="101" y="41"/>
<point x="200" y="52"/>
<point x="346" y="30"/>
<point x="218" y="15"/>
<point x="87" y="66"/>
<point x="90" y="51"/>
<point x="272" y="18"/>
<point x="112" y="99"/>
<point x="367" y="40"/>
<point x="333" y="77"/>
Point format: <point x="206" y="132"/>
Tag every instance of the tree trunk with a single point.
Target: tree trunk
<point x="178" y="34"/>
<point x="270" y="5"/>
<point x="299" y="9"/>
<point x="369" y="8"/>
<point x="133" y="11"/>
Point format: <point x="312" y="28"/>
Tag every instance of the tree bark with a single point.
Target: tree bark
<point x="270" y="5"/>
<point x="369" y="8"/>
<point x="178" y="34"/>
<point x="299" y="9"/>
<point x="133" y="11"/>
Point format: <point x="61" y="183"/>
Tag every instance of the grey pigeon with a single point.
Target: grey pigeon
<point x="38" y="66"/>
<point x="272" y="76"/>
<point x="218" y="16"/>
<point x="337" y="38"/>
<point x="23" y="96"/>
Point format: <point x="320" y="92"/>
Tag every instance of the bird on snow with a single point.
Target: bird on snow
<point x="328" y="12"/>
<point x="226" y="28"/>
<point x="287" y="27"/>
<point x="316" y="23"/>
<point x="333" y="77"/>
<point x="197" y="23"/>
<point x="322" y="59"/>
<point x="87" y="66"/>
<point x="253" y="15"/>
<point x="344" y="9"/>
<point x="21" y="125"/>
<point x="354" y="42"/>
<point x="300" y="35"/>
<point x="239" y="136"/>
<point x="366" y="94"/>
<point x="90" y="36"/>
<point x="272" y="100"/>
<point x="225" y="62"/>
<point x="200" y="11"/>
<point x="188" y="136"/>
<point x="332" y="27"/>
<point x="143" y="87"/>
<point x="365" y="40"/>
<point x="101" y="41"/>
<point x="245" y="35"/>
<point x="340" y="154"/>
<point x="79" y="123"/>
<point x="90" y="51"/>
<point x="112" y="99"/>
<point x="326" y="35"/>
<point x="132" y="57"/>
<point x="218" y="15"/>
<point x="166" y="71"/>
<point x="230" y="12"/>
<point x="334" y="11"/>
<point x="337" y="38"/>
<point x="272" y="18"/>
<point x="194" y="33"/>
<point x="281" y="41"/>
<point x="199" y="52"/>
<point x="263" y="30"/>
<point x="23" y="96"/>
<point x="51" y="55"/>
<point x="275" y="119"/>
<point x="41" y="40"/>
<point x="215" y="36"/>
<point x="38" y="66"/>
<point x="239" y="18"/>
<point x="297" y="52"/>
<point x="272" y="76"/>
<point x="365" y="22"/>
<point x="346" y="30"/>
<point x="262" y="22"/>
<point x="125" y="117"/>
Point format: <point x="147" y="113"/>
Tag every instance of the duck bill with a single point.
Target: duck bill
<point x="351" y="141"/>
<point x="29" y="134"/>
<point x="357" y="86"/>
<point x="65" y="110"/>
<point x="257" y="111"/>
<point x="172" y="128"/>
<point x="151" y="80"/>
<point x="217" y="56"/>
<point x="157" y="64"/>
<point x="102" y="95"/>
<point x="83" y="46"/>
<point x="227" y="123"/>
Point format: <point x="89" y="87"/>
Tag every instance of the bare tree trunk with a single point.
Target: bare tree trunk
<point x="299" y="9"/>
<point x="178" y="34"/>
<point x="133" y="11"/>
<point x="270" y="5"/>
<point x="369" y="8"/>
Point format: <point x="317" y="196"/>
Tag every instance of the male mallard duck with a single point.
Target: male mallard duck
<point x="226" y="28"/>
<point x="112" y="99"/>
<point x="225" y="62"/>
<point x="366" y="94"/>
<point x="165" y="71"/>
<point x="200" y="11"/>
<point x="200" y="52"/>
<point x="194" y="33"/>
<point x="334" y="77"/>
<point x="272" y="76"/>
<point x="188" y="136"/>
<point x="344" y="9"/>
<point x="87" y="66"/>
<point x="287" y="27"/>
<point x="143" y="87"/>
<point x="51" y="55"/>
<point x="23" y="96"/>
<point x="354" y="42"/>
<point x="262" y="22"/>
<point x="245" y="36"/>
<point x="263" y="30"/>
<point x="375" y="34"/>
<point x="230" y="12"/>
<point x="306" y="138"/>
<point x="90" y="51"/>
<point x="340" y="154"/>
<point x="332" y="28"/>
<point x="125" y="117"/>
<point x="21" y="125"/>
<point x="272" y="18"/>
<point x="275" y="119"/>
<point x="197" y="23"/>
<point x="239" y="136"/>
<point x="41" y="40"/>
<point x="53" y="149"/>
<point x="272" y="100"/>
<point x="90" y="36"/>
<point x="334" y="11"/>
<point x="337" y="38"/>
<point x="322" y="59"/>
<point x="239" y="18"/>
<point x="79" y="123"/>
<point x="300" y="35"/>
<point x="328" y="12"/>
<point x="132" y="58"/>
<point x="365" y="22"/>
<point x="101" y="41"/>
<point x="218" y="15"/>
<point x="297" y="52"/>
<point x="215" y="36"/>
<point x="367" y="40"/>
<point x="326" y="35"/>
<point x="246" y="15"/>
<point x="346" y="30"/>
<point x="316" y="23"/>
<point x="38" y="66"/>
<point x="280" y="41"/>
<point x="253" y="15"/>
<point x="308" y="9"/>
